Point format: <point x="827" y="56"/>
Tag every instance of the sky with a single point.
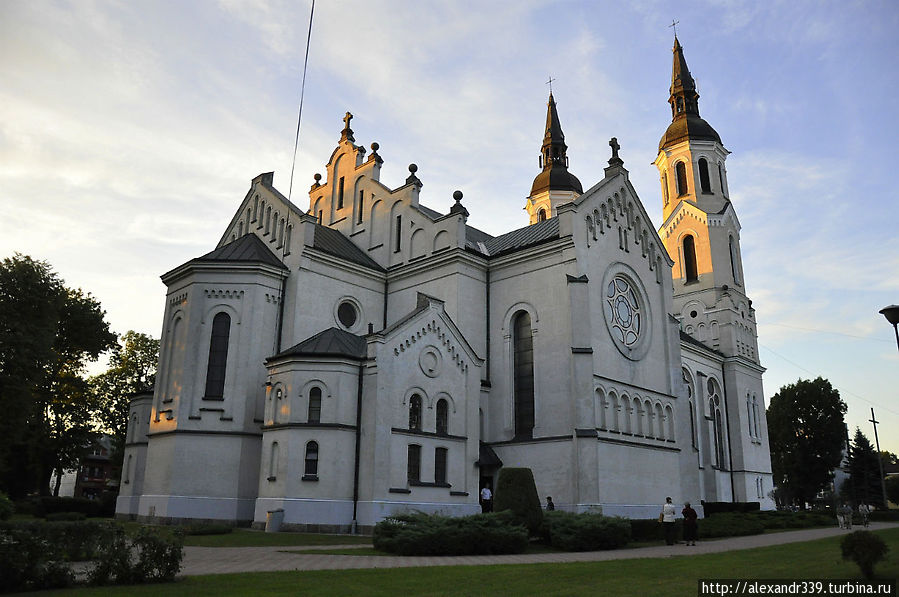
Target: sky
<point x="130" y="132"/>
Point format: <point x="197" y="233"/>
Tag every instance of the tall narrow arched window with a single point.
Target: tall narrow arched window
<point x="440" y="466"/>
<point x="340" y="193"/>
<point x="127" y="475"/>
<point x="415" y="412"/>
<point x="665" y="187"/>
<point x="255" y="207"/>
<point x="311" y="466"/>
<point x="523" y="367"/>
<point x="690" y="259"/>
<point x="732" y="245"/>
<point x="721" y="178"/>
<point x="717" y="422"/>
<point x="218" y="356"/>
<point x="287" y="239"/>
<point x="681" y="171"/>
<point x="281" y="233"/>
<point x="704" y="182"/>
<point x="273" y="463"/>
<point x="413" y="463"/>
<point x="268" y="219"/>
<point x="261" y="217"/>
<point x="541" y="215"/>
<point x="361" y="209"/>
<point x="442" y="417"/>
<point x="315" y="405"/>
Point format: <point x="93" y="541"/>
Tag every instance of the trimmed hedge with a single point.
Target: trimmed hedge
<point x="585" y="532"/>
<point x="731" y="524"/>
<point x="780" y="519"/>
<point x="65" y="516"/>
<point x="712" y="508"/>
<point x="49" y="505"/>
<point x="207" y="529"/>
<point x="516" y="491"/>
<point x="419" y="534"/>
<point x="884" y="516"/>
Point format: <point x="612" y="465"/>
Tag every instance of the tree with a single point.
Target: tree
<point x="864" y="471"/>
<point x="892" y="487"/>
<point x="48" y="333"/>
<point x="806" y="435"/>
<point x="132" y="369"/>
<point x="889" y="458"/>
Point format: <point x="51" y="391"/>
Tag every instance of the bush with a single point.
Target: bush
<point x="712" y="508"/>
<point x="64" y="516"/>
<point x="730" y="525"/>
<point x="48" y="505"/>
<point x="780" y="519"/>
<point x="421" y="534"/>
<point x="70" y="540"/>
<point x="884" y="515"/>
<point x="207" y="529"/>
<point x="29" y="561"/>
<point x="650" y="529"/>
<point x="516" y="491"/>
<point x="585" y="532"/>
<point x="6" y="507"/>
<point x="152" y="555"/>
<point x="865" y="549"/>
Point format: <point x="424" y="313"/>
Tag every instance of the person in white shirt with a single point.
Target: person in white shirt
<point x="486" y="499"/>
<point x="668" y="516"/>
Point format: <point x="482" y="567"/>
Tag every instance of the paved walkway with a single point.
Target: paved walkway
<point x="221" y="560"/>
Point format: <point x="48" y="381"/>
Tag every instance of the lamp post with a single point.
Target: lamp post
<point x="892" y="315"/>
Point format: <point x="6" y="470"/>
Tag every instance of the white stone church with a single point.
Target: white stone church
<point x="371" y="355"/>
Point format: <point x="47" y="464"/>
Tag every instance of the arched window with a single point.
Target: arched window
<point x="340" y="193"/>
<point x="413" y="463"/>
<point x="398" y="235"/>
<point x="255" y="207"/>
<point x="261" y="215"/>
<point x="721" y="178"/>
<point x="681" y="171"/>
<point x="281" y="233"/>
<point x="268" y="219"/>
<point x="361" y="209"/>
<point x="218" y="356"/>
<point x="240" y="228"/>
<point x="273" y="463"/>
<point x="311" y="468"/>
<point x="717" y="422"/>
<point x="440" y="466"/>
<point x="287" y="238"/>
<point x="415" y="412"/>
<point x="442" y="417"/>
<point x="704" y="183"/>
<point x="541" y="215"/>
<point x="732" y="245"/>
<point x="665" y="186"/>
<point x="315" y="405"/>
<point x="127" y="478"/>
<point x="523" y="367"/>
<point x="690" y="259"/>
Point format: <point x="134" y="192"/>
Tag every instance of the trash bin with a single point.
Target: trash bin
<point x="273" y="520"/>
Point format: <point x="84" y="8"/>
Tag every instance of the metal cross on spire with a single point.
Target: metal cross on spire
<point x="550" y="83"/>
<point x="674" y="24"/>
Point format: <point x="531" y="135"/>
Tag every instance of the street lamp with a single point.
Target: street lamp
<point x="892" y="315"/>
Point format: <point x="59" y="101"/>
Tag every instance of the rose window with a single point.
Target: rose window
<point x="623" y="311"/>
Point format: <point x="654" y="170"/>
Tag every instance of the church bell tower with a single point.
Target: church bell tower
<point x="701" y="230"/>
<point x="555" y="184"/>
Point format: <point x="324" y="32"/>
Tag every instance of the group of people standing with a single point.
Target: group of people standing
<point x="668" y="518"/>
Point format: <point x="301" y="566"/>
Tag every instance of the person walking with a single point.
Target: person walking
<point x="668" y="516"/>
<point x="549" y="504"/>
<point x="486" y="499"/>
<point x="691" y="527"/>
<point x="844" y="513"/>
<point x="865" y="511"/>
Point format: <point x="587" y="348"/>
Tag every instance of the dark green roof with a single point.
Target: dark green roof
<point x="333" y="342"/>
<point x="523" y="237"/>
<point x="328" y="240"/>
<point x="248" y="248"/>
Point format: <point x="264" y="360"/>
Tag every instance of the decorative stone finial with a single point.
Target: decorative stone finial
<point x="374" y="153"/>
<point x="458" y="208"/>
<point x="318" y="178"/>
<point x="412" y="178"/>
<point x="347" y="133"/>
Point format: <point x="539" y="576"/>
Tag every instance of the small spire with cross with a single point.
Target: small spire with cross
<point x="674" y="25"/>
<point x="615" y="160"/>
<point x="550" y="83"/>
<point x="347" y="132"/>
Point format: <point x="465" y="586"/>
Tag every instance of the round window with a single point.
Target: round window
<point x="627" y="312"/>
<point x="346" y="314"/>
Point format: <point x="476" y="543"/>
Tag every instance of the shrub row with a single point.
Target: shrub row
<point x="45" y="505"/>
<point x="207" y="529"/>
<point x="730" y="524"/>
<point x="434" y="535"/>
<point x="584" y="532"/>
<point x="6" y="506"/>
<point x="884" y="516"/>
<point x="35" y="555"/>
<point x="712" y="508"/>
<point x="779" y="519"/>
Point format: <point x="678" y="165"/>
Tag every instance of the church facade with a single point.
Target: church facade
<point x="372" y="355"/>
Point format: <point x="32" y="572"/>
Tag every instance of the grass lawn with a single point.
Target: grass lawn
<point x="248" y="538"/>
<point x="668" y="577"/>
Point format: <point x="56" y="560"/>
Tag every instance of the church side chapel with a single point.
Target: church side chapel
<point x="372" y="355"/>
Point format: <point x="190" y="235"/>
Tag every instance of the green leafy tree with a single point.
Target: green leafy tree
<point x="892" y="487"/>
<point x="48" y="333"/>
<point x="132" y="369"/>
<point x="864" y="471"/>
<point x="806" y="435"/>
<point x="889" y="458"/>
